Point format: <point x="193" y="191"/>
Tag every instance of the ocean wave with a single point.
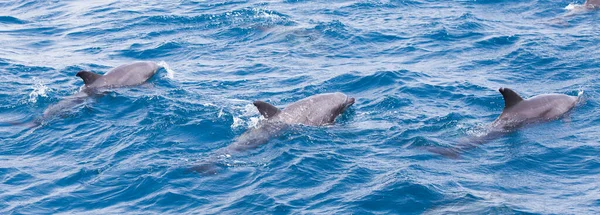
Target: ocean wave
<point x="424" y="74"/>
<point x="11" y="20"/>
<point x="232" y="18"/>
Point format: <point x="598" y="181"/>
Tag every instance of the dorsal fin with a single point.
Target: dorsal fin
<point x="266" y="109"/>
<point x="88" y="77"/>
<point x="511" y="98"/>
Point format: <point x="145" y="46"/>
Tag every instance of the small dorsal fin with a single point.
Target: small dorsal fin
<point x="266" y="109"/>
<point x="511" y="98"/>
<point x="88" y="77"/>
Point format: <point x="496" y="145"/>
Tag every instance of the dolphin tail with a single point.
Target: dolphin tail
<point x="462" y="146"/>
<point x="451" y="153"/>
<point x="28" y="124"/>
<point x="206" y="168"/>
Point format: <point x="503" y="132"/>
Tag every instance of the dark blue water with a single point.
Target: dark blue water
<point x="425" y="73"/>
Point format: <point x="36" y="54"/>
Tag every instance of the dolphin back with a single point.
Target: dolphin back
<point x="128" y="75"/>
<point x="517" y="112"/>
<point x="321" y="109"/>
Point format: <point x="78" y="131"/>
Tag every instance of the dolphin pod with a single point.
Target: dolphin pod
<point x="517" y="113"/>
<point x="316" y="110"/>
<point x="123" y="76"/>
<point x="322" y="109"/>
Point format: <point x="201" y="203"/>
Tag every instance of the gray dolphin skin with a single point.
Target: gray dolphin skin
<point x="593" y="4"/>
<point x="517" y="113"/>
<point x="317" y="110"/>
<point x="123" y="76"/>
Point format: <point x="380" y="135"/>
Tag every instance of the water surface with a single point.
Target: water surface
<point x="425" y="73"/>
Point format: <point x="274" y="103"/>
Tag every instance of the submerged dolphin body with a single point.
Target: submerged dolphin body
<point x="517" y="113"/>
<point x="122" y="76"/>
<point x="317" y="110"/>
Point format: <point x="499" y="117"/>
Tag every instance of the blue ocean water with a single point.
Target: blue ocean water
<point x="424" y="73"/>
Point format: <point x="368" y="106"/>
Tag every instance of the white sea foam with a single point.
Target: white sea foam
<point x="237" y="122"/>
<point x="580" y="98"/>
<point x="573" y="6"/>
<point x="248" y="111"/>
<point x="170" y="72"/>
<point x="576" y="8"/>
<point x="220" y="113"/>
<point x="39" y="90"/>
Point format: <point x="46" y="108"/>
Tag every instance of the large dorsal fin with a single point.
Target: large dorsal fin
<point x="266" y="109"/>
<point x="511" y="98"/>
<point x="88" y="77"/>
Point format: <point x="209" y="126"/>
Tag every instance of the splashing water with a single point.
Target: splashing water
<point x="573" y="6"/>
<point x="39" y="90"/>
<point x="248" y="110"/>
<point x="578" y="8"/>
<point x="170" y="72"/>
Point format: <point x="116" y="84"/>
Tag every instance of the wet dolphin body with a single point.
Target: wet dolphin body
<point x="517" y="113"/>
<point x="317" y="110"/>
<point x="592" y="4"/>
<point x="123" y="76"/>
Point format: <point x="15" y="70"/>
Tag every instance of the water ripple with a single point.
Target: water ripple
<point x="424" y="73"/>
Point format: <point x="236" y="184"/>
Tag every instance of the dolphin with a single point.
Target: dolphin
<point x="518" y="112"/>
<point x="316" y="110"/>
<point x="592" y="4"/>
<point x="94" y="85"/>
